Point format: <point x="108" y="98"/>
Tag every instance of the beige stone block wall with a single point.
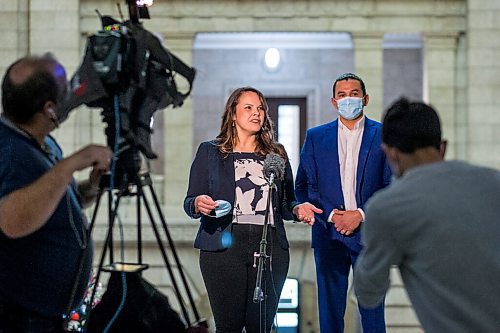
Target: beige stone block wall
<point x="55" y="27"/>
<point x="463" y="80"/>
<point x="14" y="26"/>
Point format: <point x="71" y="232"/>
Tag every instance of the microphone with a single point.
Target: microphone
<point x="274" y="167"/>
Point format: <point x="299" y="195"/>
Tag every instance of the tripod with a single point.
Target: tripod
<point x="138" y="182"/>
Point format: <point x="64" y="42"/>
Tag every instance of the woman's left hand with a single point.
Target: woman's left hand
<point x="204" y="204"/>
<point x="305" y="212"/>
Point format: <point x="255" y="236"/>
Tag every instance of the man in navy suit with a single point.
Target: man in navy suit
<point x="341" y="166"/>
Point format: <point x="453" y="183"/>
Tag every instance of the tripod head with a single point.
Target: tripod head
<point x="138" y="9"/>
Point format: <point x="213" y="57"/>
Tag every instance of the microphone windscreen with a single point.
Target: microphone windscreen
<point x="274" y="164"/>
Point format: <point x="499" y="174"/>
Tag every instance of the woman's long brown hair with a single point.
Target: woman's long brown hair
<point x="228" y="136"/>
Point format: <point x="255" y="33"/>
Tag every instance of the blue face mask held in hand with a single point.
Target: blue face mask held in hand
<point x="223" y="208"/>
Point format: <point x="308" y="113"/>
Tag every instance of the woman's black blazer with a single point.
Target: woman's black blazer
<point x="212" y="173"/>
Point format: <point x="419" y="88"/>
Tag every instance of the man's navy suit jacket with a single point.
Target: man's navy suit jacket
<point x="318" y="177"/>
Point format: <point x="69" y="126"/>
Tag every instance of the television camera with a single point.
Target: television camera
<point x="129" y="74"/>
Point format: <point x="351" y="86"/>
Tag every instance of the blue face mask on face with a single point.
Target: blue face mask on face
<point x="350" y="107"/>
<point x="223" y="208"/>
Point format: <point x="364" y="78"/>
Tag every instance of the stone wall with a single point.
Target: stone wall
<point x="461" y="78"/>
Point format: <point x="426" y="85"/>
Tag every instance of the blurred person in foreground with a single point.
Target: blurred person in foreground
<point x="439" y="223"/>
<point x="45" y="249"/>
<point x="228" y="190"/>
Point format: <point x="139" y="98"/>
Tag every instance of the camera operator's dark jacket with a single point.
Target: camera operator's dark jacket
<point x="212" y="173"/>
<point x="38" y="271"/>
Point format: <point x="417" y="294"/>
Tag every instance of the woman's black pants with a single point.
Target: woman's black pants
<point x="230" y="279"/>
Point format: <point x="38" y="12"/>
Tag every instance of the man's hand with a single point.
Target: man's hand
<point x="346" y="221"/>
<point x="96" y="156"/>
<point x="89" y="189"/>
<point x="305" y="212"/>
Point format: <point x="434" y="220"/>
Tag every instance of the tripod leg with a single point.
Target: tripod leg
<point x="96" y="208"/>
<point x="107" y="243"/>
<point x="111" y="220"/>
<point x="174" y="253"/>
<point x="139" y="233"/>
<point x="164" y="255"/>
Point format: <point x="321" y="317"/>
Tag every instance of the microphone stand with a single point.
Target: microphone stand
<point x="258" y="294"/>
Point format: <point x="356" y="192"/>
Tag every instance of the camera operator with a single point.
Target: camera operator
<point x="45" y="250"/>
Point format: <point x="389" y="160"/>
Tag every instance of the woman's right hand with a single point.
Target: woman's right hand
<point x="204" y="204"/>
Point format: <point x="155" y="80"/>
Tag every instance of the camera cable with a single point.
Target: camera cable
<point x="113" y="167"/>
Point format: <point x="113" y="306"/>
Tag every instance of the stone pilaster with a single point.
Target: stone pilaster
<point x="483" y="71"/>
<point x="368" y="61"/>
<point x="178" y="134"/>
<point x="440" y="83"/>
<point x="462" y="122"/>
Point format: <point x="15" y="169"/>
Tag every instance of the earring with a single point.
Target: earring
<point x="232" y="125"/>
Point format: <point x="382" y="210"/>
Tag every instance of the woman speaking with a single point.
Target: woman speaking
<point x="229" y="190"/>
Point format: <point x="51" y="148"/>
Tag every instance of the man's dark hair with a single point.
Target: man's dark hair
<point x="349" y="76"/>
<point x="409" y="126"/>
<point x="21" y="101"/>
